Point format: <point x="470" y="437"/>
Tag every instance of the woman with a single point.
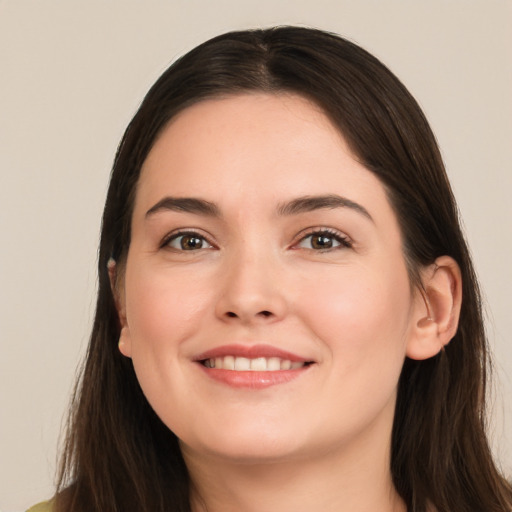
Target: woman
<point x="287" y="316"/>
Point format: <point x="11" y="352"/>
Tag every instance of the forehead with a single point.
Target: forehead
<point x="252" y="140"/>
<point x="241" y="125"/>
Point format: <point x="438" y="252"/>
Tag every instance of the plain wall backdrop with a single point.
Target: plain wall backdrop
<point x="71" y="76"/>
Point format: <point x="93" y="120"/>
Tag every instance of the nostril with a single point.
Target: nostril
<point x="263" y="313"/>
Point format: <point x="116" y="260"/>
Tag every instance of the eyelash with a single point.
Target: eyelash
<point x="343" y="241"/>
<point x="174" y="236"/>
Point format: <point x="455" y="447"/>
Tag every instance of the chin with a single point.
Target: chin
<point x="253" y="446"/>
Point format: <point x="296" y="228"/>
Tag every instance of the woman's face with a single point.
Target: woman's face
<point x="265" y="302"/>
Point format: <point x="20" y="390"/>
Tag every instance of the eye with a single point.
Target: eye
<point x="324" y="240"/>
<point x="188" y="241"/>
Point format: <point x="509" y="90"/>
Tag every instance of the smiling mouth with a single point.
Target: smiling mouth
<point x="257" y="364"/>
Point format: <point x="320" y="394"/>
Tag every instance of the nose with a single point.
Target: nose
<point x="252" y="291"/>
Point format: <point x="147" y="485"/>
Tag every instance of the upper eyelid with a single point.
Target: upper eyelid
<point x="321" y="230"/>
<point x="345" y="242"/>
<point x="185" y="231"/>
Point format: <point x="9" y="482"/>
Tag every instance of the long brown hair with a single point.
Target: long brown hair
<point x="120" y="457"/>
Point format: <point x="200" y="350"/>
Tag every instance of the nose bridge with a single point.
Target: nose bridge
<point x="251" y="284"/>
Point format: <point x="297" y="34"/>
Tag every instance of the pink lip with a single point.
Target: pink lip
<point x="249" y="351"/>
<point x="251" y="379"/>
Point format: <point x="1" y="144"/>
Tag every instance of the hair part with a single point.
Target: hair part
<point x="120" y="456"/>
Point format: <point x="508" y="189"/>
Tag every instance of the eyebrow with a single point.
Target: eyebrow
<point x="185" y="204"/>
<point x="329" y="201"/>
<point x="296" y="206"/>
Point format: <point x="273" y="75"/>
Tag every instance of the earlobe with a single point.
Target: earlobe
<point x="437" y="310"/>
<point x="124" y="343"/>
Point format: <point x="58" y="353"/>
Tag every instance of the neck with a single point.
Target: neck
<point x="355" y="479"/>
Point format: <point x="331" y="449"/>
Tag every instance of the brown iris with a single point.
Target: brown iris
<point x="321" y="242"/>
<point x="191" y="242"/>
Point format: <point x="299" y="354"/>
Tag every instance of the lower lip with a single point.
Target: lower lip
<point x="252" y="379"/>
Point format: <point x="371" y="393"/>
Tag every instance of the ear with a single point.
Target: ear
<point x="118" y="293"/>
<point x="437" y="309"/>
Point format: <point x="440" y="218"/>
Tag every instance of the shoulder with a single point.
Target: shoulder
<point x="46" y="506"/>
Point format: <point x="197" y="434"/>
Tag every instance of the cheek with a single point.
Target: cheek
<point x="362" y="320"/>
<point x="162" y="310"/>
<point x="361" y="315"/>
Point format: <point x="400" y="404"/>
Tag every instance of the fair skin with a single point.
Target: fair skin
<point x="289" y="256"/>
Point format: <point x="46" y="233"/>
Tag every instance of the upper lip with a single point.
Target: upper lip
<point x="250" y="352"/>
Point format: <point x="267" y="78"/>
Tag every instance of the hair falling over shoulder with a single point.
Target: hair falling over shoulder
<point x="119" y="456"/>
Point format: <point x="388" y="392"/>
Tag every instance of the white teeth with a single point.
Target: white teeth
<point x="258" y="364"/>
<point x="286" y="364"/>
<point x="273" y="364"/>
<point x="241" y="364"/>
<point x="228" y="363"/>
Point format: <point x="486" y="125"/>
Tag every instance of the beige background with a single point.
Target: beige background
<point x="72" y="75"/>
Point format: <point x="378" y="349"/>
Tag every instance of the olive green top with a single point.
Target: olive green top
<point x="46" y="506"/>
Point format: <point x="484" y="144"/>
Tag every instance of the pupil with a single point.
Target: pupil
<point x="191" y="242"/>
<point x="322" y="242"/>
